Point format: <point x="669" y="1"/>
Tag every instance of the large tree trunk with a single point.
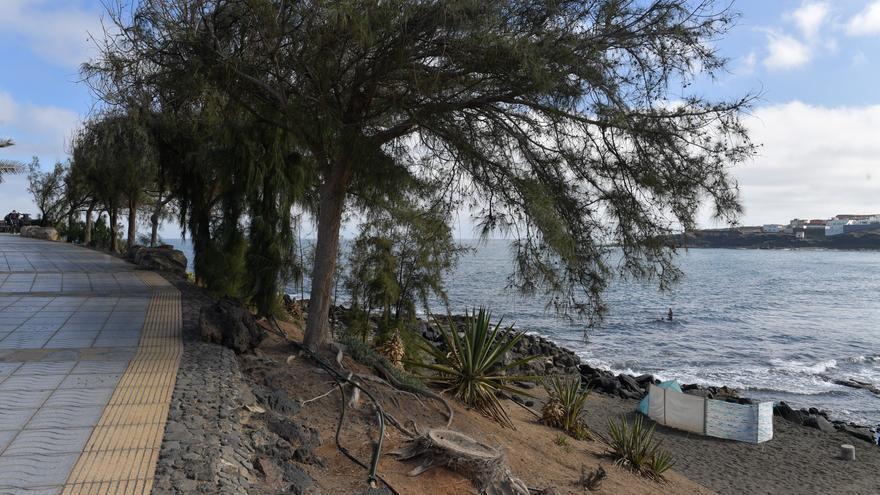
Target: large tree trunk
<point x="87" y="236"/>
<point x="70" y="220"/>
<point x="114" y="217"/>
<point x="132" y="223"/>
<point x="332" y="200"/>
<point x="154" y="228"/>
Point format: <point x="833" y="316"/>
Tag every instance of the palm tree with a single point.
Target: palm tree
<point x="8" y="166"/>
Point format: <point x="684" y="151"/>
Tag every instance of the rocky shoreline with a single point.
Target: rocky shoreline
<point x="559" y="360"/>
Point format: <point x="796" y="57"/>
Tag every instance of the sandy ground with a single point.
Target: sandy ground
<point x="531" y="451"/>
<point x="797" y="460"/>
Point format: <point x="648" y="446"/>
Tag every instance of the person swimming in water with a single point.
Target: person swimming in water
<point x="669" y="315"/>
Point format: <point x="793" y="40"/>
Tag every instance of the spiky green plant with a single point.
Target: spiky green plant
<point x="633" y="446"/>
<point x="567" y="391"/>
<point x="472" y="365"/>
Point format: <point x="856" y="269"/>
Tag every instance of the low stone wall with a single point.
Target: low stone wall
<point x="205" y="449"/>
<point x="46" y="233"/>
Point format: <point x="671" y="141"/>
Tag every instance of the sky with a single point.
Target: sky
<point x="815" y="66"/>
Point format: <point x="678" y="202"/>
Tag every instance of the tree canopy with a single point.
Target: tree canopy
<point x="565" y="125"/>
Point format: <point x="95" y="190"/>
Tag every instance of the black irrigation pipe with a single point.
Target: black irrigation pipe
<point x="338" y="377"/>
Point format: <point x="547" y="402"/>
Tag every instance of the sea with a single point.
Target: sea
<point x="775" y="324"/>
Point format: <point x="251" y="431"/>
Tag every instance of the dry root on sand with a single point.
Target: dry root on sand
<point x="485" y="465"/>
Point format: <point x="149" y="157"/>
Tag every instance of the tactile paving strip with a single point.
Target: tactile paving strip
<point x="121" y="454"/>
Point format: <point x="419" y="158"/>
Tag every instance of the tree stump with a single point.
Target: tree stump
<point x="484" y="465"/>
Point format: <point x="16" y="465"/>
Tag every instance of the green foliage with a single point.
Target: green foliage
<point x="399" y="259"/>
<point x="561" y="440"/>
<point x="550" y="121"/>
<point x="472" y="365"/>
<point x="101" y="234"/>
<point x="47" y="189"/>
<point x="572" y="397"/>
<point x="74" y="232"/>
<point x="632" y="445"/>
<point x="366" y="355"/>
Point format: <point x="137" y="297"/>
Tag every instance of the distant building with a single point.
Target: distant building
<point x="772" y="228"/>
<point x="846" y="224"/>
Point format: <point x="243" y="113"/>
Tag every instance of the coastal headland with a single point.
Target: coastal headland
<point x="754" y="238"/>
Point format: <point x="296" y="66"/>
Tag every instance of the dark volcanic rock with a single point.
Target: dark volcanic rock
<point x="277" y="400"/>
<point x="229" y="323"/>
<point x="787" y="413"/>
<point x="302" y="439"/>
<point x="860" y="432"/>
<point x="629" y="383"/>
<point x="819" y="423"/>
<point x="163" y="258"/>
<point x="299" y="482"/>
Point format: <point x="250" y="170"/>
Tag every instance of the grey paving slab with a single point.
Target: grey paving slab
<point x="45" y="368"/>
<point x="6" y="438"/>
<point x="65" y="417"/>
<point x="70" y="322"/>
<point x="35" y="471"/>
<point x="55" y="490"/>
<point x="90" y="381"/>
<point x="22" y="399"/>
<point x="48" y="442"/>
<point x="16" y="419"/>
<point x="32" y="382"/>
<point x="84" y="367"/>
<point x="78" y="397"/>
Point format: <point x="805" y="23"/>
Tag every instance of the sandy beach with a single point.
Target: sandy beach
<point x="798" y="459"/>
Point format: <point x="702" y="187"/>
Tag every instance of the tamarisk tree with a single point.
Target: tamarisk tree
<point x="563" y="124"/>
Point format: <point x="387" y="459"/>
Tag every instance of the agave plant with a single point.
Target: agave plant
<point x="566" y="404"/>
<point x="472" y="365"/>
<point x="633" y="446"/>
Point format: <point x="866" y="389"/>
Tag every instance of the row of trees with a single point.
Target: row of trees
<point x="112" y="170"/>
<point x="565" y="125"/>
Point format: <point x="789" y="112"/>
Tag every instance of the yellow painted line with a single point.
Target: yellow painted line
<point x="121" y="454"/>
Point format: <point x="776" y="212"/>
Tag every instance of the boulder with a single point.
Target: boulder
<point x="645" y="380"/>
<point x="787" y="413"/>
<point x="819" y="423"/>
<point x="860" y="432"/>
<point x="163" y="258"/>
<point x="700" y="392"/>
<point x="45" y="233"/>
<point x="629" y="383"/>
<point x="228" y="323"/>
<point x="609" y="385"/>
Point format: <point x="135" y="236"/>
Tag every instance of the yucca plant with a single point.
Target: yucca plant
<point x="472" y="365"/>
<point x="633" y="446"/>
<point x="566" y="405"/>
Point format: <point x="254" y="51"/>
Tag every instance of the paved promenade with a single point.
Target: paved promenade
<point x="89" y="350"/>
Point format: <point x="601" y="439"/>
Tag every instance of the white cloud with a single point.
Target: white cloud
<point x="747" y="66"/>
<point x="810" y="17"/>
<point x="57" y="34"/>
<point x="814" y="162"/>
<point x="38" y="130"/>
<point x="859" y="59"/>
<point x="866" y="22"/>
<point x="786" y="52"/>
